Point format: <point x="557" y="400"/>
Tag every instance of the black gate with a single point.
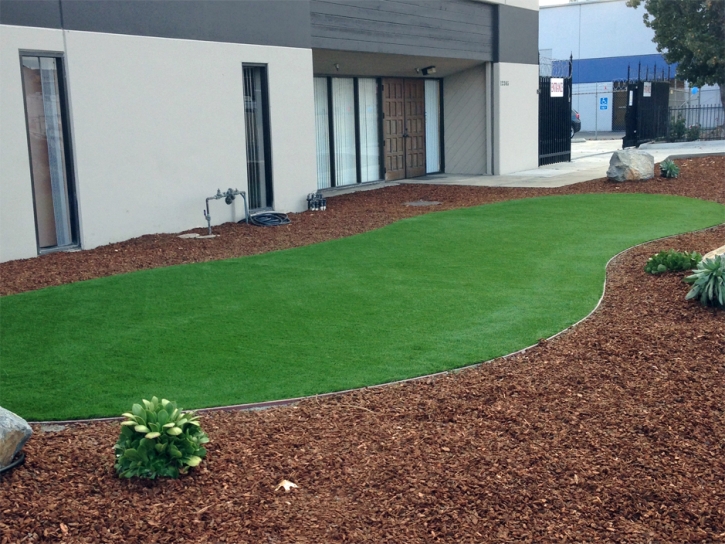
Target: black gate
<point x="555" y="118"/>
<point x="647" y="112"/>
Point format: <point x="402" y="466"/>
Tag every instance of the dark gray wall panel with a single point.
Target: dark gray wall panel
<point x="445" y="28"/>
<point x="42" y="13"/>
<point x="518" y="35"/>
<point x="259" y="22"/>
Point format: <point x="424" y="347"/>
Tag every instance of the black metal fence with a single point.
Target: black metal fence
<point x="555" y="115"/>
<point x="690" y="123"/>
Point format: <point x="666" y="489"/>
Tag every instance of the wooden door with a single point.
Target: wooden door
<point x="404" y="128"/>
<point x="414" y="128"/>
<point x="394" y="128"/>
<point x="619" y="108"/>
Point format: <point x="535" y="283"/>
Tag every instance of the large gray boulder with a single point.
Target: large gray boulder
<point x="14" y="433"/>
<point x="630" y="165"/>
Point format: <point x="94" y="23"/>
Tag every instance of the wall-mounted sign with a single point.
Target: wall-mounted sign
<point x="603" y="103"/>
<point x="647" y="90"/>
<point x="557" y="87"/>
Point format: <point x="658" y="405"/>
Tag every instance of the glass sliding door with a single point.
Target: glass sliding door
<point x="256" y="119"/>
<point x="322" y="134"/>
<point x="347" y="126"/>
<point x="369" y="138"/>
<point x="53" y="192"/>
<point x="432" y="126"/>
<point x="343" y="117"/>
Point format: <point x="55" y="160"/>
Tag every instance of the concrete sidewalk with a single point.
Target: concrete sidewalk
<point x="600" y="135"/>
<point x="590" y="160"/>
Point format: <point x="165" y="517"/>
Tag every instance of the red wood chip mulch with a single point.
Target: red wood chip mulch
<point x="612" y="432"/>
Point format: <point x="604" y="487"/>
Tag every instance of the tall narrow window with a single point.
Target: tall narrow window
<point x="55" y="214"/>
<point x="343" y="104"/>
<point x="369" y="139"/>
<point x="432" y="126"/>
<point x="256" y="118"/>
<point x="322" y="131"/>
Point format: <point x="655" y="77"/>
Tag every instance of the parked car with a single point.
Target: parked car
<point x="576" y="124"/>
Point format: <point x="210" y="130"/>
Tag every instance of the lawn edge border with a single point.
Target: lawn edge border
<point x="296" y="400"/>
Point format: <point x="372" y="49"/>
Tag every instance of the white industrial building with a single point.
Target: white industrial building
<point x="119" y="117"/>
<point x="609" y="42"/>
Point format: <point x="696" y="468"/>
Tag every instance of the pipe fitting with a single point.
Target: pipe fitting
<point x="228" y="197"/>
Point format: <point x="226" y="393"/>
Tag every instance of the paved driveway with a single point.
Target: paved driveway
<point x="590" y="160"/>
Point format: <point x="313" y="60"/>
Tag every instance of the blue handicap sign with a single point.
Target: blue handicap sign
<point x="603" y="103"/>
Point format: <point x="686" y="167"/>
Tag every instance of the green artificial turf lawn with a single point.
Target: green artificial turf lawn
<point x="430" y="293"/>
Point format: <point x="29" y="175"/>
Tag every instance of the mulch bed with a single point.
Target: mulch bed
<point x="612" y="432"/>
<point x="346" y="215"/>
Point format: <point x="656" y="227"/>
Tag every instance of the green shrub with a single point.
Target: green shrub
<point x="693" y="133"/>
<point x="159" y="440"/>
<point x="672" y="261"/>
<point x="709" y="282"/>
<point x="669" y="169"/>
<point x="677" y="129"/>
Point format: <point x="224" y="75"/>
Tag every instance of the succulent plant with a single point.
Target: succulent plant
<point x="708" y="282"/>
<point x="159" y="440"/>
<point x="669" y="169"/>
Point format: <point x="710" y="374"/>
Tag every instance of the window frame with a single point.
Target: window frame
<point x="266" y="137"/>
<point x="68" y="153"/>
<point x="356" y="107"/>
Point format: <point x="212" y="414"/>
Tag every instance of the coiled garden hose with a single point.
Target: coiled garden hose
<point x="19" y="460"/>
<point x="269" y="219"/>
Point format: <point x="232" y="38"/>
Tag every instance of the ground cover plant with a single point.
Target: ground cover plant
<point x="159" y="440"/>
<point x="427" y="294"/>
<point x="612" y="432"/>
<point x="672" y="261"/>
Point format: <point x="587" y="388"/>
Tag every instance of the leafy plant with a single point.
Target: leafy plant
<point x="677" y="129"/>
<point x="672" y="261"/>
<point x="709" y="282"/>
<point x="669" y="169"/>
<point x="159" y="440"/>
<point x="693" y="133"/>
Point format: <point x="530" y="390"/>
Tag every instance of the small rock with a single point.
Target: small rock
<point x="52" y="428"/>
<point x="630" y="165"/>
<point x="14" y="433"/>
<point x="423" y="203"/>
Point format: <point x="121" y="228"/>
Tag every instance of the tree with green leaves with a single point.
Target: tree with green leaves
<point x="691" y="33"/>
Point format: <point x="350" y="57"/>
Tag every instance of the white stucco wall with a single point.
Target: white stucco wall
<point x="525" y="4"/>
<point x="590" y="30"/>
<point x="516" y="117"/>
<point x="158" y="126"/>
